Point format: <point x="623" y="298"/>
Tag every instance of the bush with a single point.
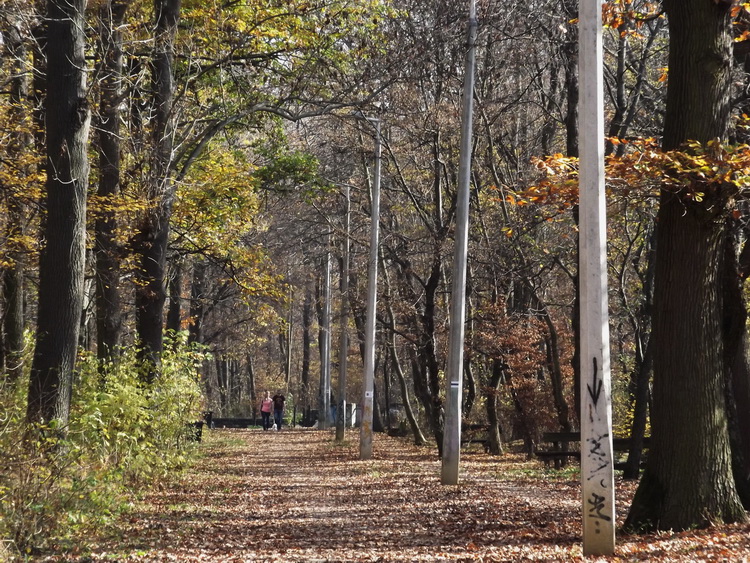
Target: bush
<point x="121" y="435"/>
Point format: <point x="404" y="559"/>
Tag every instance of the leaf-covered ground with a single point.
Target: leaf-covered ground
<point x="295" y="496"/>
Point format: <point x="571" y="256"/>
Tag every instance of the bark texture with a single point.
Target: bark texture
<point x="107" y="250"/>
<point x="151" y="242"/>
<point x="62" y="260"/>
<point x="688" y="479"/>
<point x="13" y="273"/>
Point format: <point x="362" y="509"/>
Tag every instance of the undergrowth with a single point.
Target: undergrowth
<point x="57" y="485"/>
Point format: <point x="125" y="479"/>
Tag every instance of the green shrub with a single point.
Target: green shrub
<point x="121" y="435"/>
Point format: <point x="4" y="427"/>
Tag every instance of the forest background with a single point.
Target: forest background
<point x="178" y="178"/>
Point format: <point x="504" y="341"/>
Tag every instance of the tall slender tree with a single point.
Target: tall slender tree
<point x="153" y="235"/>
<point x="21" y="143"/>
<point x="107" y="251"/>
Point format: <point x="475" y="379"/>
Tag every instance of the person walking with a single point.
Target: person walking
<point x="266" y="406"/>
<point x="278" y="409"/>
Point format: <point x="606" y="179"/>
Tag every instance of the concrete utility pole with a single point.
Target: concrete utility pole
<point x="344" y="324"/>
<point x="365" y="430"/>
<point x="324" y="403"/>
<point x="597" y="471"/>
<point x="454" y="368"/>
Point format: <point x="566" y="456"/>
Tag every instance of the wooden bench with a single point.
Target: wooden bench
<point x="224" y="422"/>
<point x="557" y="447"/>
<point x="476" y="434"/>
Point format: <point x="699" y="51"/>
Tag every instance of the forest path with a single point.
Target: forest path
<point x="294" y="495"/>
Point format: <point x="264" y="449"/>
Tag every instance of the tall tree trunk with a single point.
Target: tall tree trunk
<point x="640" y="391"/>
<point x="197" y="302"/>
<point x="419" y="438"/>
<point x="640" y="414"/>
<point x="554" y="367"/>
<point x="107" y="250"/>
<point x="174" y="313"/>
<point x="61" y="265"/>
<point x="735" y="272"/>
<point x="570" y="56"/>
<point x="688" y="479"/>
<point x="13" y="272"/>
<point x="470" y="380"/>
<point x="151" y="240"/>
<point x="251" y="386"/>
<point x="491" y="404"/>
<point x="424" y="361"/>
<point x="306" y="346"/>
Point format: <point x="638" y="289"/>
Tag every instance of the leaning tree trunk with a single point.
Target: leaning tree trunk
<point x="151" y="240"/>
<point x="425" y="367"/>
<point x="688" y="478"/>
<point x="61" y="266"/>
<point x="640" y="390"/>
<point x="419" y="438"/>
<point x="640" y="415"/>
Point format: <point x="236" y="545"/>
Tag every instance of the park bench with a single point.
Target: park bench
<point x="557" y="447"/>
<point x="476" y="434"/>
<point x="226" y="422"/>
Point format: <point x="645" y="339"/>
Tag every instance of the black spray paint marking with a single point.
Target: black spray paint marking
<point x="596" y="391"/>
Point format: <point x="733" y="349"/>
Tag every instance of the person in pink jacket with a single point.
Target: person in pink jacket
<point x="266" y="406"/>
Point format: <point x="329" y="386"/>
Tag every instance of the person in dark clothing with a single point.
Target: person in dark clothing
<point x="278" y="409"/>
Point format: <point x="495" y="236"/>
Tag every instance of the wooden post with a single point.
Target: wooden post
<point x="597" y="469"/>
<point x="365" y="430"/>
<point x="454" y="368"/>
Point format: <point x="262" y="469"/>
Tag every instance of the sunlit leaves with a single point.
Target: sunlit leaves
<point x="644" y="169"/>
<point x="618" y="13"/>
<point x="216" y="204"/>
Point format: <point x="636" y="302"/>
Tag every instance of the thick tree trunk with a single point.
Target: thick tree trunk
<point x="688" y="478"/>
<point x="61" y="265"/>
<point x="151" y="240"/>
<point x="107" y="250"/>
